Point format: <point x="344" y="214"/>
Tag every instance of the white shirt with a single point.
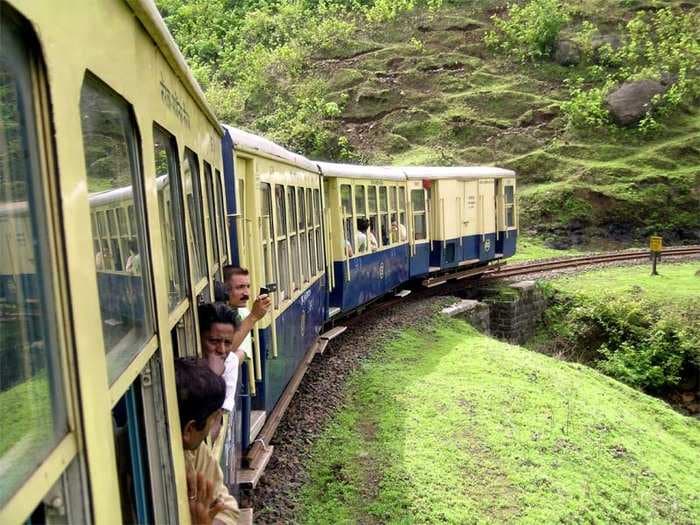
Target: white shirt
<point x="232" y="366"/>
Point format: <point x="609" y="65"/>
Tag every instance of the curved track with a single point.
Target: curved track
<point x="502" y="272"/>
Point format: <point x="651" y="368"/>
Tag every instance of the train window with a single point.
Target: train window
<point x="419" y="221"/>
<point x="282" y="252"/>
<point x="360" y="201"/>
<point x="510" y="206"/>
<point x="193" y="199"/>
<point x="348" y="228"/>
<point x="402" y="232"/>
<point x="171" y="215"/>
<point x="317" y="227"/>
<point x="30" y="375"/>
<point x="311" y="235"/>
<point x="211" y="207"/>
<point x="394" y="217"/>
<point x="267" y="234"/>
<point x="372" y="209"/>
<point x="114" y="179"/>
<point x="221" y="217"/>
<point x="303" y="245"/>
<point x="383" y="216"/>
<point x="293" y="238"/>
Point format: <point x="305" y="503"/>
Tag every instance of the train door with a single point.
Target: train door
<point x="487" y="218"/>
<point x="244" y="167"/>
<point x="419" y="242"/>
<point x="470" y="221"/>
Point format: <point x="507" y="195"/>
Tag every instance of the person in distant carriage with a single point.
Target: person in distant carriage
<point x="200" y="395"/>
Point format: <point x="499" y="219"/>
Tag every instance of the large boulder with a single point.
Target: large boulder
<point x="567" y="53"/>
<point x="632" y="100"/>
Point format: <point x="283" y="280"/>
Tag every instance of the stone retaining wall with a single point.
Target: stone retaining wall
<point x="515" y="311"/>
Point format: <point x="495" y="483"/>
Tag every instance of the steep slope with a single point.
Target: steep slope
<point x="425" y="89"/>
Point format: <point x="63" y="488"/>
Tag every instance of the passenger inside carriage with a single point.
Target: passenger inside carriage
<point x="364" y="238"/>
<point x="398" y="232"/>
<point x="200" y="395"/>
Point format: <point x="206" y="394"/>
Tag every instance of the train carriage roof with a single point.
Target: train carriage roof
<point x="354" y="171"/>
<point x="245" y="141"/>
<point x="458" y="172"/>
<point x="147" y="13"/>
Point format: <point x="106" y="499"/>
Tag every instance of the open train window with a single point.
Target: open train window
<point x="293" y="237"/>
<point x="267" y="235"/>
<point x="193" y="200"/>
<point x="383" y="216"/>
<point x="146" y="489"/>
<point x="281" y="239"/>
<point x="361" y="237"/>
<point x="211" y="217"/>
<point x="114" y="179"/>
<point x="393" y="216"/>
<point x="221" y="218"/>
<point x="31" y="379"/>
<point x="419" y="220"/>
<point x="317" y="227"/>
<point x="303" y="244"/>
<point x="313" y="268"/>
<point x="402" y="233"/>
<point x="346" y="214"/>
<point x="171" y="215"/>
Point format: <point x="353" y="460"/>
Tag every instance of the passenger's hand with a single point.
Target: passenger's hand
<point x="261" y="306"/>
<point x="203" y="505"/>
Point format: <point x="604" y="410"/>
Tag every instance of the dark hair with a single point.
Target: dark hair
<point x="362" y="224"/>
<point x="220" y="292"/>
<point x="200" y="392"/>
<point x="212" y="313"/>
<point x="230" y="270"/>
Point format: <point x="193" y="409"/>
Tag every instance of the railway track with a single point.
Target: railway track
<point x="502" y="272"/>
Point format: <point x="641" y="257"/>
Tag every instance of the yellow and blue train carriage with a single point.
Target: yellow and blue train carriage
<point x="471" y="214"/>
<point x="368" y="223"/>
<point x="277" y="233"/>
<point x="112" y="213"/>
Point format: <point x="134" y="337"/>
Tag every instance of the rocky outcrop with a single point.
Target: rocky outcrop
<point x="632" y="100"/>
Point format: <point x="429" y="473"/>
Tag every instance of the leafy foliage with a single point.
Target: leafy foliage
<point x="631" y="339"/>
<point x="253" y="59"/>
<point x="662" y="45"/>
<point x="530" y="30"/>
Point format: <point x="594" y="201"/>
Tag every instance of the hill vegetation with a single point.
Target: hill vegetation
<point x="463" y="82"/>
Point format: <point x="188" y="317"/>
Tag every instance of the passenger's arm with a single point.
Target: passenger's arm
<point x="260" y="307"/>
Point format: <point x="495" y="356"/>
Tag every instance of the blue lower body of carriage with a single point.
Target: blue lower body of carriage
<point x="505" y="244"/>
<point x="419" y="263"/>
<point x="371" y="276"/>
<point x="451" y="253"/>
<point x="297" y="329"/>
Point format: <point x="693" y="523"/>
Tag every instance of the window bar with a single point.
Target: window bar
<point x="137" y="466"/>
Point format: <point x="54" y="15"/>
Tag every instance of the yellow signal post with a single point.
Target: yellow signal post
<point x="655" y="246"/>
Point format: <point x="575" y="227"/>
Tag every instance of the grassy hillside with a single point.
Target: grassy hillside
<point x="413" y="82"/>
<point x="425" y="89"/>
<point x="448" y="426"/>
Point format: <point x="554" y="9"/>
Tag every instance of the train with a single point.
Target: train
<point x="122" y="199"/>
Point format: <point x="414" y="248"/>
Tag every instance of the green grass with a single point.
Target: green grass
<point x="532" y="248"/>
<point x="25" y="411"/>
<point x="448" y="426"/>
<point x="676" y="282"/>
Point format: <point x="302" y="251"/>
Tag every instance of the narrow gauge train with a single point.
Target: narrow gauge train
<point x="121" y="198"/>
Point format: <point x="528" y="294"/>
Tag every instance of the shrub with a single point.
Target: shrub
<point x="529" y="31"/>
<point x="634" y="341"/>
<point x="661" y="45"/>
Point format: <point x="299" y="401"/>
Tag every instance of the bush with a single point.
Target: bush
<point x="634" y="341"/>
<point x="530" y="31"/>
<point x="662" y="45"/>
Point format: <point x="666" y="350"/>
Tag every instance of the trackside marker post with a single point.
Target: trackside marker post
<point x="655" y="247"/>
